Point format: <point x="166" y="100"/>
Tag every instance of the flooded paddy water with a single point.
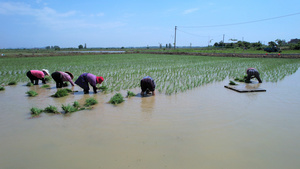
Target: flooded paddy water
<point x="207" y="127"/>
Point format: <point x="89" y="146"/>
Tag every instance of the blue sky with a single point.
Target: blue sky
<point x="133" y="23"/>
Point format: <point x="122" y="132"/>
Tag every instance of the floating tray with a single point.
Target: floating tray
<point x="245" y="88"/>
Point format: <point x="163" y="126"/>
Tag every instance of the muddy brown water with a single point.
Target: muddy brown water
<point x="208" y="127"/>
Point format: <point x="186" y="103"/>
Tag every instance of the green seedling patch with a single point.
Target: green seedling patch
<point x="116" y="99"/>
<point x="31" y="93"/>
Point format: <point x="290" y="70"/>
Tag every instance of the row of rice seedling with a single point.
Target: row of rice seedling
<point x="172" y="73"/>
<point x="69" y="108"/>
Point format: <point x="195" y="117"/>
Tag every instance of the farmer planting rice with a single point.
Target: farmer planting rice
<point x="87" y="78"/>
<point x="60" y="77"/>
<point x="147" y="85"/>
<point x="36" y="75"/>
<point x="252" y="73"/>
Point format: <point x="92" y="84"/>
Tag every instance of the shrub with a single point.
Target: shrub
<point x="116" y="99"/>
<point x="12" y="83"/>
<point x="2" y="88"/>
<point x="90" y="101"/>
<point x="29" y="84"/>
<point x="35" y="111"/>
<point x="31" y="93"/>
<point x="62" y="93"/>
<point x="51" y="109"/>
<point x="130" y="94"/>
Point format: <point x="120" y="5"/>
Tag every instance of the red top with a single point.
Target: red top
<point x="37" y="73"/>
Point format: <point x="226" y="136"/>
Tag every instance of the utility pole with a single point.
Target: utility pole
<point x="175" y="38"/>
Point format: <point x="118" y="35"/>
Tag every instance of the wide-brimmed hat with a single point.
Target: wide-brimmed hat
<point x="46" y="71"/>
<point x="71" y="75"/>
<point x="99" y="79"/>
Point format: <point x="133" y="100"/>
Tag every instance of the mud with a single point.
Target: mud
<point x="208" y="127"/>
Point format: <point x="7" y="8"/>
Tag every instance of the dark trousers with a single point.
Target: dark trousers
<point x="32" y="78"/>
<point x="57" y="77"/>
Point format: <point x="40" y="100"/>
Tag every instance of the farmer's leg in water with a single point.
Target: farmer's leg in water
<point x="36" y="81"/>
<point x="31" y="77"/>
<point x="58" y="79"/>
<point x="258" y="78"/>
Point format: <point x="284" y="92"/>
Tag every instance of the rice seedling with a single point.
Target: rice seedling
<point x="45" y="86"/>
<point x="123" y="72"/>
<point x="130" y="94"/>
<point x="69" y="108"/>
<point x="116" y="99"/>
<point x="76" y="104"/>
<point x="51" y="109"/>
<point x="12" y="83"/>
<point x="2" y="88"/>
<point x="35" y="111"/>
<point x="47" y="78"/>
<point x="90" y="101"/>
<point x="29" y="84"/>
<point x="232" y="83"/>
<point x="103" y="88"/>
<point x="32" y="93"/>
<point x="62" y="93"/>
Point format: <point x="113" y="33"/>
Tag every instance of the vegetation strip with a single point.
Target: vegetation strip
<point x="172" y="73"/>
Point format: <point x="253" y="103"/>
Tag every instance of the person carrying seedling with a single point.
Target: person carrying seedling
<point x="252" y="73"/>
<point x="60" y="77"/>
<point x="36" y="75"/>
<point x="147" y="85"/>
<point x="87" y="78"/>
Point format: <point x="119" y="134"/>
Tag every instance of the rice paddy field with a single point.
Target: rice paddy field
<point x="193" y="121"/>
<point x="172" y="73"/>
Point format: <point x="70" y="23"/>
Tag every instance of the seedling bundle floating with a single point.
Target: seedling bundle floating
<point x="116" y="99"/>
<point x="62" y="93"/>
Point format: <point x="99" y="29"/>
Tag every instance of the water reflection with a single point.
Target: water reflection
<point x="147" y="106"/>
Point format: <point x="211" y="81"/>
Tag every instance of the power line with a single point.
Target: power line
<point x="241" y="23"/>
<point x="192" y="34"/>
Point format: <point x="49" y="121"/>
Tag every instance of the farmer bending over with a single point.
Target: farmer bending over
<point x="147" y="85"/>
<point x="87" y="78"/>
<point x="60" y="77"/>
<point x="36" y="75"/>
<point x="252" y="73"/>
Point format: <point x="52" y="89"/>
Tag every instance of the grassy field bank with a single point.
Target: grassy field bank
<point x="172" y="73"/>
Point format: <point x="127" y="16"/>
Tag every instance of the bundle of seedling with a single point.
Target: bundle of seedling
<point x="130" y="94"/>
<point x="62" y="93"/>
<point x="103" y="88"/>
<point x="69" y="108"/>
<point x="116" y="99"/>
<point x="232" y="83"/>
<point x="32" y="93"/>
<point x="29" y="84"/>
<point x="12" y="83"/>
<point x="45" y="86"/>
<point x="242" y="79"/>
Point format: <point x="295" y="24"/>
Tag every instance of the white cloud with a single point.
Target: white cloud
<point x="55" y="20"/>
<point x="188" y="11"/>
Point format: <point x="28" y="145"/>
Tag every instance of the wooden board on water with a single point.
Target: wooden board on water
<point x="245" y="88"/>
